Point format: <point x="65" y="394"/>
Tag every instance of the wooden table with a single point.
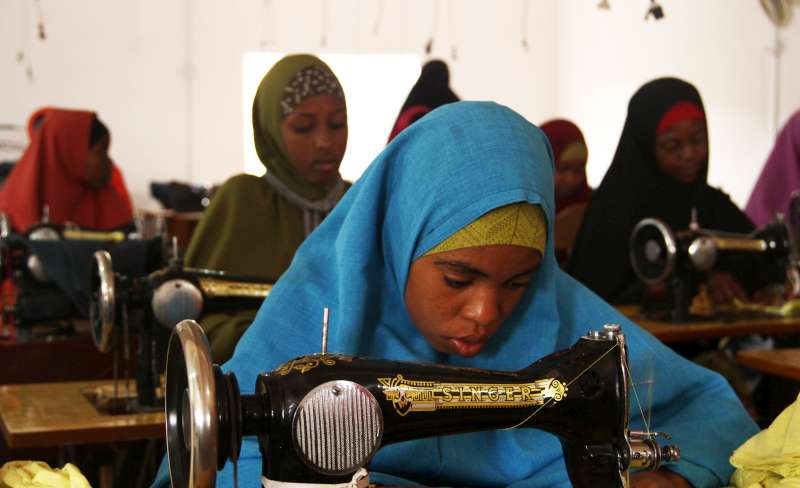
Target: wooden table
<point x="670" y="332"/>
<point x="69" y="358"/>
<point x="48" y="414"/>
<point x="780" y="362"/>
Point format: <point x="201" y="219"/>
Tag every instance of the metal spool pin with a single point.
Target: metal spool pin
<point x="5" y="226"/>
<point x="325" y="321"/>
<point x="5" y="232"/>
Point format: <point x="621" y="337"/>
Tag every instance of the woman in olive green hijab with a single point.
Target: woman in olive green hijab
<point x="254" y="224"/>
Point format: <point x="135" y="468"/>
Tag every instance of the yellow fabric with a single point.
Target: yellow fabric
<point x="771" y="458"/>
<point x="36" y="474"/>
<point x="519" y="224"/>
<point x="791" y="308"/>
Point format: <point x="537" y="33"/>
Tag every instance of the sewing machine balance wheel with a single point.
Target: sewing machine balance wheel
<point x="653" y="251"/>
<point x="202" y="410"/>
<point x="102" y="310"/>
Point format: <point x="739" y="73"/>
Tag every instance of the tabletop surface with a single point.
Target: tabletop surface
<point x="781" y="362"/>
<point x="711" y="329"/>
<point x="49" y="414"/>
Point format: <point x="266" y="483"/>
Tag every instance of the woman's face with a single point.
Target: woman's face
<point x="98" y="164"/>
<point x="569" y="177"/>
<point x="315" y="136"/>
<point x="682" y="151"/>
<point x="458" y="299"/>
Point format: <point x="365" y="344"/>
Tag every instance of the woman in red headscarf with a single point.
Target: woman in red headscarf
<point x="570" y="155"/>
<point x="571" y="189"/>
<point x="66" y="168"/>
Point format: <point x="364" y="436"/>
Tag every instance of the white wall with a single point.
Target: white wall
<point x="166" y="76"/>
<point x="119" y="58"/>
<point x="722" y="46"/>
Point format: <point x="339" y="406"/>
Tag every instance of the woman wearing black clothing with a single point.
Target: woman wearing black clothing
<point x="659" y="170"/>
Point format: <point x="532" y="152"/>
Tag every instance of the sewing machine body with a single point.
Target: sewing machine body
<point x="157" y="302"/>
<point x="409" y="401"/>
<point x="682" y="259"/>
<point x="320" y="418"/>
<point x="38" y="297"/>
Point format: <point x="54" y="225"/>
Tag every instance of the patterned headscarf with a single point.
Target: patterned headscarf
<point x="519" y="224"/>
<point x="308" y="82"/>
<point x="292" y="80"/>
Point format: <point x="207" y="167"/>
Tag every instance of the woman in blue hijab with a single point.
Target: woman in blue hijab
<point x="459" y="163"/>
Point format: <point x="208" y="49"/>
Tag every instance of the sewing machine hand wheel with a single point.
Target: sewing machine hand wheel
<point x="202" y="410"/>
<point x="102" y="309"/>
<point x="653" y="251"/>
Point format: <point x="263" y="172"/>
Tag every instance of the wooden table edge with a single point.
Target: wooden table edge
<point x="96" y="435"/>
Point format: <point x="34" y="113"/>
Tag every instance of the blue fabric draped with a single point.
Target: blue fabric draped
<point x="457" y="163"/>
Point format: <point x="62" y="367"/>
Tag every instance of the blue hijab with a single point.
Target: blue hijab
<point x="454" y="165"/>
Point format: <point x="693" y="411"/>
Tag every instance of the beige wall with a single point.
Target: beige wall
<point x="167" y="75"/>
<point x="722" y="46"/>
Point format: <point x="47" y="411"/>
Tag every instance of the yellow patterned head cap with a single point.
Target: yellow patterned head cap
<point x="518" y="224"/>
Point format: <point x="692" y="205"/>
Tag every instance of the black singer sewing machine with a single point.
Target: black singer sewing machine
<point x="681" y="259"/>
<point x="48" y="265"/>
<point x="320" y="418"/>
<point x="156" y="303"/>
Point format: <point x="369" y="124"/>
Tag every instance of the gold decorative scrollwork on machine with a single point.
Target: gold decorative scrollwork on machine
<point x="93" y="235"/>
<point x="213" y="288"/>
<point x="427" y="396"/>
<point x="305" y="364"/>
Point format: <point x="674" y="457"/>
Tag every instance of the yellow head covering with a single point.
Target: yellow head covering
<point x="518" y="224"/>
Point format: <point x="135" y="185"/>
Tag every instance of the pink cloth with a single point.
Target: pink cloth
<point x="780" y="176"/>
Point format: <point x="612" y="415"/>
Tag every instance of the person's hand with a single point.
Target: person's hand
<point x="656" y="292"/>
<point x="724" y="287"/>
<point x="658" y="479"/>
<point x="769" y="295"/>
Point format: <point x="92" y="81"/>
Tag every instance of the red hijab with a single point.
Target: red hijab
<point x="406" y="118"/>
<point x="51" y="172"/>
<point x="564" y="135"/>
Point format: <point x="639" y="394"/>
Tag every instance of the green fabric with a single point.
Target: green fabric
<point x="228" y="238"/>
<point x="248" y="230"/>
<point x="224" y="331"/>
<point x="267" y="118"/>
